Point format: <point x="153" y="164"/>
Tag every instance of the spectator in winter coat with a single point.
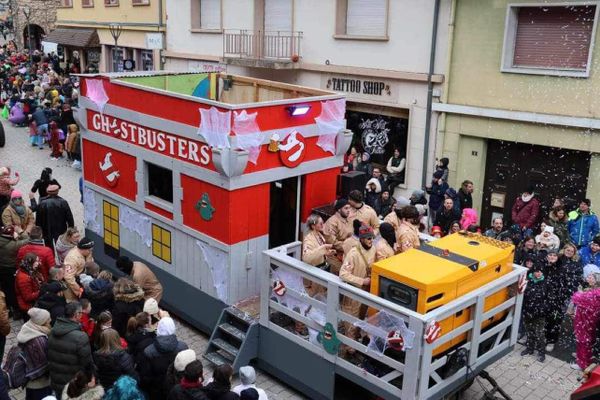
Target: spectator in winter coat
<point x="373" y="195"/>
<point x="446" y="215"/>
<point x="54" y="216"/>
<point x="68" y="348"/>
<point x="220" y="387"/>
<point x="41" y="185"/>
<point x="100" y="293"/>
<point x="451" y="194"/>
<point x="558" y="295"/>
<point x="248" y="381"/>
<point x="418" y="197"/>
<point x="442" y="166"/>
<point x="41" y="120"/>
<point x="583" y="224"/>
<point x="6" y="185"/>
<point x="4" y="324"/>
<point x="36" y="246"/>
<point x="17" y="213"/>
<point x="436" y="193"/>
<point x="526" y="248"/>
<point x="534" y="312"/>
<point x="157" y="357"/>
<point x="590" y="254"/>
<point x="190" y="386"/>
<point x="587" y="317"/>
<point x="28" y="282"/>
<point x="103" y="322"/>
<point x="84" y="386"/>
<point x="139" y="335"/>
<point x="176" y="369"/>
<point x="33" y="337"/>
<point x="525" y="211"/>
<point x="464" y="195"/>
<point x="74" y="266"/>
<point x="395" y="169"/>
<point x="125" y="388"/>
<point x="387" y="203"/>
<point x="572" y="265"/>
<point x="559" y="220"/>
<point x="111" y="360"/>
<point x="143" y="276"/>
<point x="10" y="243"/>
<point x="67" y="241"/>
<point x="88" y="325"/>
<point x="129" y="300"/>
<point x="497" y="230"/>
<point x="51" y="294"/>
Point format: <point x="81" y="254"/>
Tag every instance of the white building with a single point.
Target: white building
<point x="375" y="51"/>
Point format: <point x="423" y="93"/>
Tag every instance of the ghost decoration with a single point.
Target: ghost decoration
<point x="96" y="93"/>
<point x="205" y="207"/>
<point x="215" y="127"/>
<point x="328" y="338"/>
<point x="248" y="134"/>
<point x="330" y="122"/>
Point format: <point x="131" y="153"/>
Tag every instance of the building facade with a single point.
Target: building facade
<point x="375" y="52"/>
<point x="31" y="17"/>
<point x="521" y="106"/>
<point x="111" y="35"/>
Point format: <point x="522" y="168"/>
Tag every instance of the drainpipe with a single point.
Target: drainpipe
<point x="436" y="14"/>
<point x="160" y="25"/>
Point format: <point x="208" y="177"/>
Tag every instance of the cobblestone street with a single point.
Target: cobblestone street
<point x="520" y="377"/>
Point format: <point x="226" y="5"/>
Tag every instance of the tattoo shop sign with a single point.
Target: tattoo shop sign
<point x="359" y="87"/>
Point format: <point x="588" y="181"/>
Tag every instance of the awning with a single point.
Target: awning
<point x="74" y="37"/>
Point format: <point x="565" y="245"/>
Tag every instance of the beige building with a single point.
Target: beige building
<point x="521" y="105"/>
<point x="376" y="52"/>
<point x="89" y="28"/>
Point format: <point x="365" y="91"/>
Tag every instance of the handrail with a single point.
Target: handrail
<point x="283" y="46"/>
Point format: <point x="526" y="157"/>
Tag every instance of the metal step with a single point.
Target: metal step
<point x="215" y="358"/>
<point x="233" y="331"/>
<point x="240" y="315"/>
<point x="230" y="358"/>
<point x="226" y="346"/>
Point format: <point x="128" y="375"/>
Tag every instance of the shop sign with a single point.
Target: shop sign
<point x="205" y="66"/>
<point x="160" y="142"/>
<point x="358" y="86"/>
<point x="154" y="41"/>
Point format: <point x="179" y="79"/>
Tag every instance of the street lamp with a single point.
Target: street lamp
<point x="27" y="13"/>
<point x="115" y="32"/>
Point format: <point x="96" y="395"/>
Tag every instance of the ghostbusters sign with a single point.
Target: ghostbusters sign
<point x="292" y="150"/>
<point x="168" y="144"/>
<point x="109" y="170"/>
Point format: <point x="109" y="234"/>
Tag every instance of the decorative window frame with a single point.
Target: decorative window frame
<point x="160" y="236"/>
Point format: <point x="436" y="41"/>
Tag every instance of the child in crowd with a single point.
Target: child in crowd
<point x="87" y="324"/>
<point x="534" y="314"/>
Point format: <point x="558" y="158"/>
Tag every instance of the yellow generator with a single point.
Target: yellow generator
<point x="442" y="270"/>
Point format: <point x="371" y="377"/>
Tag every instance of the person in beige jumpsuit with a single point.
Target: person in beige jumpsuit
<point x="356" y="270"/>
<point x="337" y="229"/>
<point x="363" y="212"/>
<point x="386" y="245"/>
<point x="408" y="231"/>
<point x="314" y="251"/>
<point x="74" y="266"/>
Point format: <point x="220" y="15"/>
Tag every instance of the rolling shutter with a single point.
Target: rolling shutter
<point x="554" y="37"/>
<point x="366" y="17"/>
<point x="210" y="14"/>
<point x="278" y="15"/>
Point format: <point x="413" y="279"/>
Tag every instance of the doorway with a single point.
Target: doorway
<point x="284" y="211"/>
<point x="511" y="167"/>
<point x="37" y="33"/>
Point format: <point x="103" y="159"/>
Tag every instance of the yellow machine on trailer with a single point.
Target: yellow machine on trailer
<point x="441" y="271"/>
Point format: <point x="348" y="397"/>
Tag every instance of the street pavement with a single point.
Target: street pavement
<point x="520" y="377"/>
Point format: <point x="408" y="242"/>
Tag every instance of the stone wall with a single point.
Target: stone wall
<point x="42" y="13"/>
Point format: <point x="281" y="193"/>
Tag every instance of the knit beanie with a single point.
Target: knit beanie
<point x="85" y="243"/>
<point x="15" y="193"/>
<point x="38" y="316"/>
<point x="183" y="358"/>
<point x="151" y="306"/>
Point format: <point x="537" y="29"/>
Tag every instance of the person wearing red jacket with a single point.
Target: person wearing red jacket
<point x="28" y="281"/>
<point x="36" y="246"/>
<point x="87" y="323"/>
<point x="525" y="212"/>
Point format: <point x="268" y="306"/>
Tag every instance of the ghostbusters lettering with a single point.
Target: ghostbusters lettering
<point x="165" y="143"/>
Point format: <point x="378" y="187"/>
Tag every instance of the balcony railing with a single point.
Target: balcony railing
<point x="259" y="45"/>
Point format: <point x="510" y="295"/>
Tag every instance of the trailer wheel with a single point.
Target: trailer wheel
<point x="2" y="136"/>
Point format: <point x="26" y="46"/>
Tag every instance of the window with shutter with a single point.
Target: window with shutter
<point x="111" y="2"/>
<point x="210" y="14"/>
<point x="278" y="15"/>
<point x="549" y="40"/>
<point x="66" y="3"/>
<point x="87" y="3"/>
<point x="140" y="2"/>
<point x="366" y="18"/>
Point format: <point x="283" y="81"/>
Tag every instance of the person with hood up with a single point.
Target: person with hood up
<point x="33" y="338"/>
<point x="386" y="246"/>
<point x="547" y="240"/>
<point x="68" y="348"/>
<point x="373" y="195"/>
<point x="55" y="134"/>
<point x="436" y="193"/>
<point x="142" y="275"/>
<point x="17" y="214"/>
<point x="125" y="388"/>
<point x="220" y="386"/>
<point x="17" y="116"/>
<point x="587" y="318"/>
<point x="525" y="211"/>
<point x="418" y="197"/>
<point x="248" y="381"/>
<point x="157" y="357"/>
<point x="84" y="386"/>
<point x="67" y="241"/>
<point x="54" y="215"/>
<point x="129" y="300"/>
<point x="41" y="185"/>
<point x="51" y="294"/>
<point x="442" y="166"/>
<point x="590" y="254"/>
<point x="468" y="218"/>
<point x="112" y="360"/>
<point x="36" y="246"/>
<point x="190" y="385"/>
<point x="559" y="220"/>
<point x="583" y="224"/>
<point x="100" y="293"/>
<point x="28" y="282"/>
